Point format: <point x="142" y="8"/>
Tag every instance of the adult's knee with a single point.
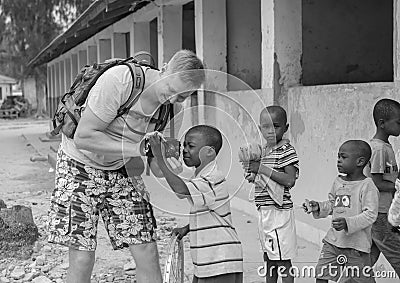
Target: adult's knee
<point x="147" y="253"/>
<point x="81" y="260"/>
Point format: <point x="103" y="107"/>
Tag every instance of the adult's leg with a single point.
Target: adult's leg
<point x="147" y="262"/>
<point x="80" y="266"/>
<point x="375" y="253"/>
<point x="387" y="242"/>
<point x="390" y="244"/>
<point x="377" y="238"/>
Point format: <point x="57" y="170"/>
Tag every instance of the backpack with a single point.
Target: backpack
<point x="72" y="103"/>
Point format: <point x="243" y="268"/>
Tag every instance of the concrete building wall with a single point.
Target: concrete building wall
<point x="347" y="42"/>
<point x="287" y="48"/>
<point x="244" y="42"/>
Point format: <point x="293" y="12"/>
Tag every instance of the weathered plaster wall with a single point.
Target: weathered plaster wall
<point x="237" y="117"/>
<point x="244" y="42"/>
<point x="347" y="42"/>
<point x="321" y="118"/>
<point x="288" y="48"/>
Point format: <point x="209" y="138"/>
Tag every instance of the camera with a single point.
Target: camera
<point x="171" y="148"/>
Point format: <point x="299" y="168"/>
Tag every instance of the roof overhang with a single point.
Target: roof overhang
<point x="99" y="15"/>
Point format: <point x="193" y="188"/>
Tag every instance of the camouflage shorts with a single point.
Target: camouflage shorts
<point x="83" y="193"/>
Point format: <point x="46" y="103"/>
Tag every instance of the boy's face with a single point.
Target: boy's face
<point x="392" y="126"/>
<point x="347" y="159"/>
<point x="192" y="154"/>
<point x="272" y="127"/>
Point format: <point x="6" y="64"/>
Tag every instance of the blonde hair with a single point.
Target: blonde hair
<point x="189" y="66"/>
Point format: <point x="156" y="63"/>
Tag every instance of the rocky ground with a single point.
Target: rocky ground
<point x="30" y="184"/>
<point x="49" y="263"/>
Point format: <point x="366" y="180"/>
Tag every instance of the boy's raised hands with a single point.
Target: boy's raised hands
<point x="310" y="206"/>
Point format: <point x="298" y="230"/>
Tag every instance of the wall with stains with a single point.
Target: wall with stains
<point x="323" y="117"/>
<point x="237" y="117"/>
<point x="288" y="35"/>
<point x="347" y="41"/>
<point x="243" y="24"/>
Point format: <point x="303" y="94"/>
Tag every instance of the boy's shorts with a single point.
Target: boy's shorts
<point x="277" y="232"/>
<point x="223" y="278"/>
<point x="351" y="264"/>
<point x="82" y="193"/>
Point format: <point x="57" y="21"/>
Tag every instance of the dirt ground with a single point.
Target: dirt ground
<point x="30" y="183"/>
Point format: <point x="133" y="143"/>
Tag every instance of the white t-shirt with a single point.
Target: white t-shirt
<point x="110" y="92"/>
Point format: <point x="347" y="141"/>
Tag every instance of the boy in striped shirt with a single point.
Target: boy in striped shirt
<point x="279" y="166"/>
<point x="215" y="247"/>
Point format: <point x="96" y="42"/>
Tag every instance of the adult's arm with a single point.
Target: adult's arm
<point x="111" y="90"/>
<point x="90" y="136"/>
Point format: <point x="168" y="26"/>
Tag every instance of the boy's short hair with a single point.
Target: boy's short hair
<point x="213" y="136"/>
<point x="189" y="66"/>
<point x="362" y="148"/>
<point x="384" y="109"/>
<point x="278" y="110"/>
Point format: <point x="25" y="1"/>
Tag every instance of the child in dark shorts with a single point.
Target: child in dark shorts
<point x="353" y="204"/>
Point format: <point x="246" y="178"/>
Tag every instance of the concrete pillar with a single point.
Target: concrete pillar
<point x="92" y="54"/>
<point x="74" y="66"/>
<point x="211" y="43"/>
<point x="396" y="41"/>
<point x="62" y="77"/>
<point x="58" y="79"/>
<point x="169" y="32"/>
<point x="287" y="47"/>
<point x="49" y="86"/>
<point x="68" y="75"/>
<point x="53" y="80"/>
<point x="140" y="37"/>
<point x="105" y="49"/>
<point x="267" y="43"/>
<point x="82" y="58"/>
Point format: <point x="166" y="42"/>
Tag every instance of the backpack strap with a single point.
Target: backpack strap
<point x="138" y="80"/>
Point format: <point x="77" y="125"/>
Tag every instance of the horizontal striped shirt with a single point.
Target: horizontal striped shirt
<point x="277" y="158"/>
<point x="214" y="244"/>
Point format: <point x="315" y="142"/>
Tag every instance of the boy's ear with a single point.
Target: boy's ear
<point x="286" y="127"/>
<point x="381" y="123"/>
<point x="361" y="161"/>
<point x="211" y="151"/>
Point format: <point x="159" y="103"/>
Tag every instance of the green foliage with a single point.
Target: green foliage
<point x="27" y="26"/>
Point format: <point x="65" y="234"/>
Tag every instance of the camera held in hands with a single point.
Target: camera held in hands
<point x="171" y="146"/>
